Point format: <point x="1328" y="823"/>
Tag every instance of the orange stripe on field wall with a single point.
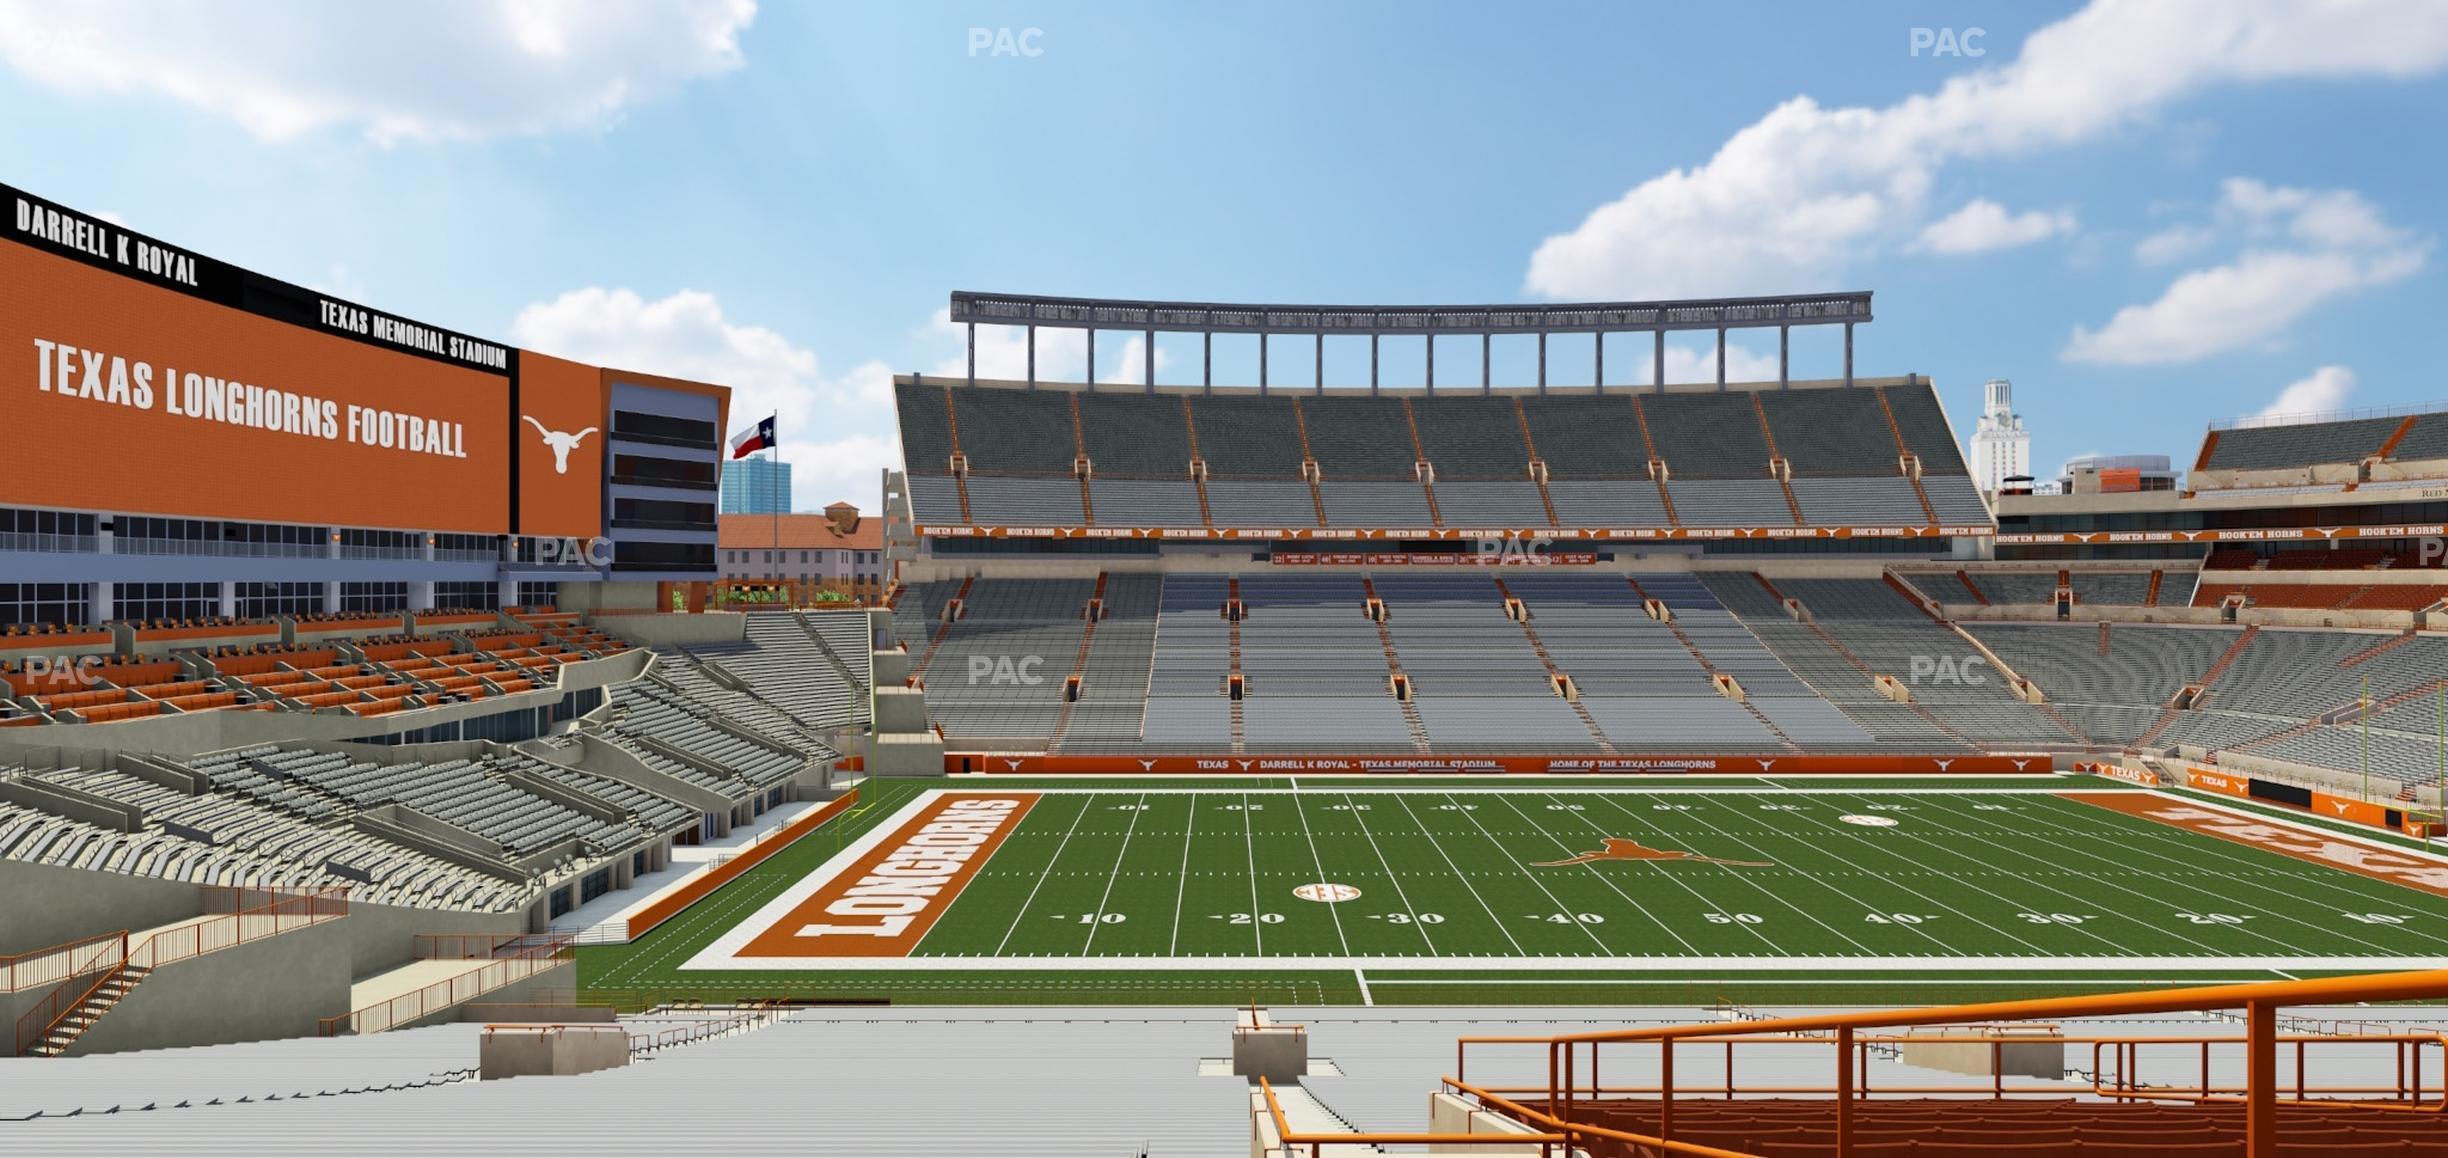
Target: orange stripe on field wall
<point x="2422" y="874"/>
<point x="883" y="904"/>
<point x="696" y="888"/>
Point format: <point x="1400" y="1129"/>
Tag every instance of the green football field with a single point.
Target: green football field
<point x="1552" y="890"/>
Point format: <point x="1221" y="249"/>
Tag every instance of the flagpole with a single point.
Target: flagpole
<point x="773" y="497"/>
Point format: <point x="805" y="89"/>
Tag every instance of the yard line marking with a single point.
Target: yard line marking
<point x="2335" y="881"/>
<point x="1257" y="926"/>
<point x="1391" y="875"/>
<point x="1181" y="884"/>
<point x="1861" y="839"/>
<point x="1604" y="949"/>
<point x="1764" y="890"/>
<point x="1609" y="882"/>
<point x="1114" y="874"/>
<point x="2035" y="880"/>
<point x="1333" y="911"/>
<point x="1456" y="870"/>
<point x="1042" y="873"/>
<point x="2218" y="853"/>
<point x="1361" y="976"/>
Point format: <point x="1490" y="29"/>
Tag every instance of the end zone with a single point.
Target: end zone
<point x="880" y="896"/>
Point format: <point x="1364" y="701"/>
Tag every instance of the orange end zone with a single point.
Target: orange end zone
<point x="882" y="904"/>
<point x="2421" y="873"/>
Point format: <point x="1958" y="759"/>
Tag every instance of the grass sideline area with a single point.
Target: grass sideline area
<point x="1180" y="890"/>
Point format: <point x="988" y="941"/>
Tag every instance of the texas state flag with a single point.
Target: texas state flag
<point x="754" y="439"/>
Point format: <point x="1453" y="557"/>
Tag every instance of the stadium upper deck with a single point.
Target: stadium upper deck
<point x="1877" y="459"/>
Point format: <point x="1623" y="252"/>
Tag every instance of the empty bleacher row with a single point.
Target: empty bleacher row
<point x="1317" y="674"/>
<point x="2303" y="444"/>
<point x="33" y="836"/>
<point x="2343" y="596"/>
<point x="792" y="668"/>
<point x="998" y="673"/>
<point x="228" y="835"/>
<point x="473" y="795"/>
<point x="2037" y="587"/>
<point x="694" y="742"/>
<point x="996" y="456"/>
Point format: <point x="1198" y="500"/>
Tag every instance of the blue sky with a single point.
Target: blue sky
<point x="2147" y="215"/>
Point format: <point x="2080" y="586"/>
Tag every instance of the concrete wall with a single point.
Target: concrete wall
<point x="278" y="987"/>
<point x="384" y="937"/>
<point x="540" y="1051"/>
<point x="676" y="630"/>
<point x="529" y="993"/>
<point x="44" y="905"/>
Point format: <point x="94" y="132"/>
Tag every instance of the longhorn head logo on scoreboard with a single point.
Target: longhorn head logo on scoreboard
<point x="561" y="442"/>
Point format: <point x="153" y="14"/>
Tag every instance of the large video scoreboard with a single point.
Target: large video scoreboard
<point x="140" y="377"/>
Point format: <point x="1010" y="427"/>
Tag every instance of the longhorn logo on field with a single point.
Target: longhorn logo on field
<point x="561" y="442"/>
<point x="1617" y="848"/>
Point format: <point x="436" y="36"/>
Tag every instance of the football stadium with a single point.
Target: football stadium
<point x="1662" y="710"/>
<point x="1730" y="721"/>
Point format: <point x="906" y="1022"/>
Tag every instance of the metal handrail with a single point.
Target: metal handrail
<point x="1284" y="1134"/>
<point x="2259" y="1095"/>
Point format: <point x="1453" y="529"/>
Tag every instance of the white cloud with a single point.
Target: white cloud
<point x="2305" y="248"/>
<point x="1699" y="364"/>
<point x="1982" y="226"/>
<point x="395" y="70"/>
<point x="1131" y="365"/>
<point x="1788" y="202"/>
<point x="1002" y="351"/>
<point x="2173" y="244"/>
<point x="833" y="431"/>
<point x="2323" y="390"/>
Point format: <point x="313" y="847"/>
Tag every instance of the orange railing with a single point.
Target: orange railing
<point x="249" y="915"/>
<point x="60" y="962"/>
<point x="511" y="960"/>
<point x="87" y="964"/>
<point x="1574" y="1090"/>
<point x="234" y="916"/>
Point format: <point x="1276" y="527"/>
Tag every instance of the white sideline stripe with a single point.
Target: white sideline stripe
<point x="2077" y="979"/>
<point x="1672" y="966"/>
<point x="723" y="951"/>
<point x="1428" y="785"/>
<point x="2321" y="830"/>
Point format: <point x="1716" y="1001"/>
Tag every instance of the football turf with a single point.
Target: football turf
<point x="1175" y="891"/>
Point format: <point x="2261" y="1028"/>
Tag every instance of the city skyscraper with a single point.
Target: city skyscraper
<point x="756" y="486"/>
